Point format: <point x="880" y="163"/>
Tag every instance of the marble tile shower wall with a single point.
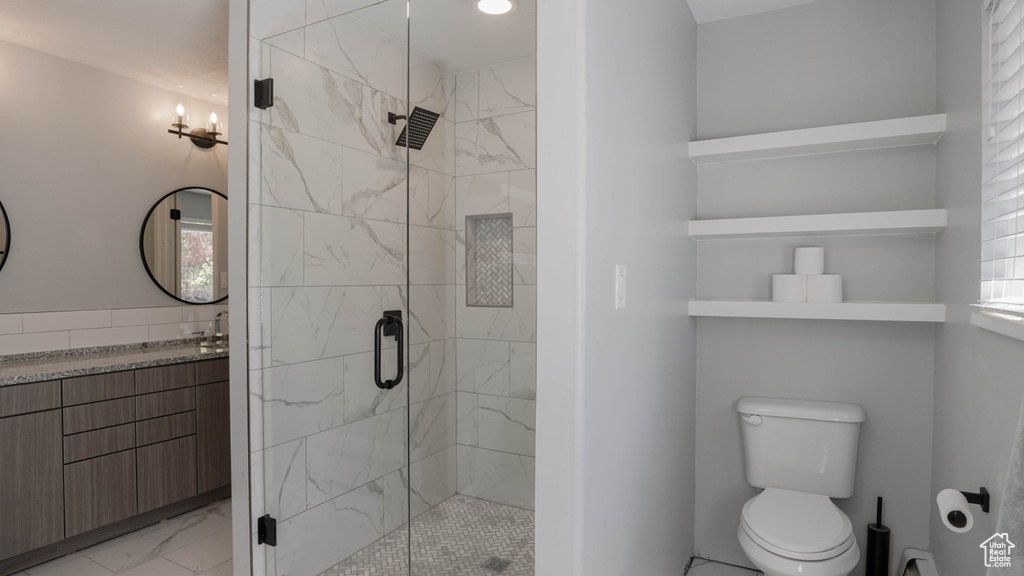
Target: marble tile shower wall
<point x="327" y="256"/>
<point x="495" y="169"/>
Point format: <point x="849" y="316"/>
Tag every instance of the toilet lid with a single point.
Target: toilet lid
<point x="796" y="521"/>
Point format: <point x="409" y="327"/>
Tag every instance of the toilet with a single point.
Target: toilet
<point x="803" y="454"/>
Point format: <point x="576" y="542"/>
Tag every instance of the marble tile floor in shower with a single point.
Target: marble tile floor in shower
<point x="194" y="543"/>
<point x="455" y="538"/>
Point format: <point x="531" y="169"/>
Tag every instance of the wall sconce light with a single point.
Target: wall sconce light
<point x="201" y="137"/>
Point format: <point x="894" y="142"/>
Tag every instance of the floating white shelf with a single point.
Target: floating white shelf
<point x="877" y="311"/>
<point x="862" y="136"/>
<point x="901" y="221"/>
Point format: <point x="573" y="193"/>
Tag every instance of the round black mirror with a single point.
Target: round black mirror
<point x="184" y="245"/>
<point x="5" y="236"/>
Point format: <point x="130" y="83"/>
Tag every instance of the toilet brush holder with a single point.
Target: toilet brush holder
<point x="877" y="560"/>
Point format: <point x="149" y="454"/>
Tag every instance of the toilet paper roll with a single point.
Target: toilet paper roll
<point x="825" y="288"/>
<point x="789" y="288"/>
<point x="809" y="260"/>
<point x="954" y="510"/>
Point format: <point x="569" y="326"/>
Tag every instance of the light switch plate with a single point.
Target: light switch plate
<point x="620" y="286"/>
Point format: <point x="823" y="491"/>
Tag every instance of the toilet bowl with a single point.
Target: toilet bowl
<point x="785" y="533"/>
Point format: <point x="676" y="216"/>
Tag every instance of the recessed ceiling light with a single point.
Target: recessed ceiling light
<point x="495" y="7"/>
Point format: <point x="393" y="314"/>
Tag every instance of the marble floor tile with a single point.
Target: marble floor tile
<point x="454" y="539"/>
<point x="186" y="545"/>
<point x="222" y="508"/>
<point x="158" y="567"/>
<point x="204" y="555"/>
<point x="142" y="546"/>
<point x="225" y="569"/>
<point x="702" y="567"/>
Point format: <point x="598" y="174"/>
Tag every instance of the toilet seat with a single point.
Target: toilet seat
<point x="797" y="525"/>
<point x="792" y="555"/>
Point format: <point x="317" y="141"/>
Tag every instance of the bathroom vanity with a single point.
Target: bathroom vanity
<point x="101" y="443"/>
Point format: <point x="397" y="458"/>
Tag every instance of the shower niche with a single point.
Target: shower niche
<point x="489" y="260"/>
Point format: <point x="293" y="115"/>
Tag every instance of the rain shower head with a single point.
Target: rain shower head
<point x="417" y="128"/>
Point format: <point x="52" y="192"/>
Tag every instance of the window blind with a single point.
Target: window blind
<point x="1002" y="225"/>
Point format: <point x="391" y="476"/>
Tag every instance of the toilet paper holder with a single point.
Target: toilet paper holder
<point x="981" y="498"/>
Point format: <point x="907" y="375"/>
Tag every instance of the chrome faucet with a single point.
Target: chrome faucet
<point x="216" y="323"/>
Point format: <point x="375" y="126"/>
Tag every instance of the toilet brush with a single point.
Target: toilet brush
<point x="878" y="546"/>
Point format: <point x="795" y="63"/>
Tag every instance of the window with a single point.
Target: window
<point x="1002" y="226"/>
<point x="197" y="261"/>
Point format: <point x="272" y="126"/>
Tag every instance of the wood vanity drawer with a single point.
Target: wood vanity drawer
<point x="99" y="415"/>
<point x="98" y="442"/>
<point x="166" y="428"/>
<point x="210" y="371"/>
<point x="167" y="473"/>
<point x="98" y="387"/>
<point x="164" y="403"/>
<point x="214" y="438"/>
<point x="99" y="491"/>
<point x="165" y="378"/>
<point x="25" y="398"/>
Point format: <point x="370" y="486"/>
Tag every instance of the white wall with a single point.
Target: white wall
<point x="90" y="157"/>
<point x="238" y="204"/>
<point x="821" y="63"/>
<point x="977" y="373"/>
<point x="561" y="154"/>
<point x="638" y="394"/>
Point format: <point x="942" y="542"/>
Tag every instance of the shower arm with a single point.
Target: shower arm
<point x="394" y="118"/>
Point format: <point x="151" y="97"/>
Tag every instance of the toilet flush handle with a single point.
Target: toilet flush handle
<point x="752" y="419"/>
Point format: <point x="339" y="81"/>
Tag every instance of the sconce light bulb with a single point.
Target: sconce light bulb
<point x="213" y="118"/>
<point x="180" y="110"/>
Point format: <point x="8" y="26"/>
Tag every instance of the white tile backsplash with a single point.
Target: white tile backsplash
<point x="108" y="336"/>
<point x="10" y="324"/>
<point x="58" y="321"/>
<point x="145" y="316"/>
<point x="160" y="332"/>
<point x="51" y="331"/>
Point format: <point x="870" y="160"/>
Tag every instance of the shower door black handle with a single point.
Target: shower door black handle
<point x="389" y="325"/>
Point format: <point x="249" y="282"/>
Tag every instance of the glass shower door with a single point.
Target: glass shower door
<point x="378" y="192"/>
<point x="329" y="237"/>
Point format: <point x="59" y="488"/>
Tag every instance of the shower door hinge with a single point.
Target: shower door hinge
<point x="263" y="93"/>
<point x="266" y="531"/>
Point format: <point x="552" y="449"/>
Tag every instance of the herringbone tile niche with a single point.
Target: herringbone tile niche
<point x="489" y="260"/>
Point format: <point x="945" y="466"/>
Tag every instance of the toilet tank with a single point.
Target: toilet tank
<point x="800" y="445"/>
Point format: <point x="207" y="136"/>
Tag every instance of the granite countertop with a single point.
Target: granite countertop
<point x="28" y="368"/>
